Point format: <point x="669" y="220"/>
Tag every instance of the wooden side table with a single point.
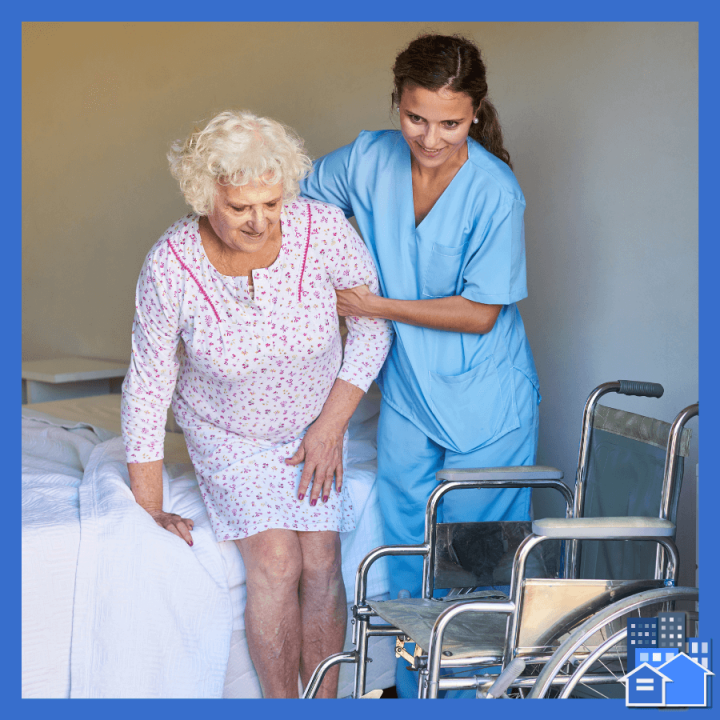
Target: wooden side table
<point x="69" y="377"/>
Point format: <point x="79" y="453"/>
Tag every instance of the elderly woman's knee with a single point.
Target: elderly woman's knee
<point x="282" y="571"/>
<point x="321" y="558"/>
<point x="273" y="561"/>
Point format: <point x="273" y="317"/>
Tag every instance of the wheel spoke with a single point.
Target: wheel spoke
<point x="590" y="687"/>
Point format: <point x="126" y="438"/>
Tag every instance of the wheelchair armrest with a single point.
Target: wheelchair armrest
<point x="603" y="528"/>
<point x="515" y="476"/>
<point x="523" y="473"/>
<point x="376" y="554"/>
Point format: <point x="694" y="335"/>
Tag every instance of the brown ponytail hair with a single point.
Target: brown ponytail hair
<point x="453" y="62"/>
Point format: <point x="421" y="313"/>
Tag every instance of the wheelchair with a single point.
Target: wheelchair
<point x="573" y="581"/>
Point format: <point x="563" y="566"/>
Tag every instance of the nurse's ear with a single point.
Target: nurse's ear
<point x="478" y="110"/>
<point x="395" y="100"/>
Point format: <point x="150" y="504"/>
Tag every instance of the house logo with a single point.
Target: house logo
<point x="666" y="669"/>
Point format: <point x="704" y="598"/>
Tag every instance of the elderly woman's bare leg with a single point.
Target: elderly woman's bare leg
<point x="273" y="562"/>
<point x="323" y="606"/>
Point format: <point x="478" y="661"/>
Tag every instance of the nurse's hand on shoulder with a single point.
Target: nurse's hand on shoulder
<point x="321" y="450"/>
<point x="359" y="301"/>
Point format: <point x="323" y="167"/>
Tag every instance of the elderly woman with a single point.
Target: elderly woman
<point x="236" y="323"/>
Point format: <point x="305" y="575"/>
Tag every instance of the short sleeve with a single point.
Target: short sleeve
<point x="495" y="272"/>
<point x="329" y="180"/>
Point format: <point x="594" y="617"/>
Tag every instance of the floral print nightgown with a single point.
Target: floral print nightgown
<point x="248" y="374"/>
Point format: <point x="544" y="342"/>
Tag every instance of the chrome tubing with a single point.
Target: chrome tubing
<point x="612" y="612"/>
<point x="670" y="472"/>
<point x="518" y="575"/>
<point x="572" y="549"/>
<point x="624" y="387"/>
<point x="319" y="673"/>
<point x="364" y="567"/>
<point x="361" y="650"/>
<point x="516" y="594"/>
<point x="436" y="636"/>
<point x="447" y="486"/>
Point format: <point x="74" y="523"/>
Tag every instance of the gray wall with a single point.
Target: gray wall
<point x="600" y="120"/>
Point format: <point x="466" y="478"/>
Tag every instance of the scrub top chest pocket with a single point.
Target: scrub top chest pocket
<point x="442" y="271"/>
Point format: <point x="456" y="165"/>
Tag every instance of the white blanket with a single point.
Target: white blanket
<point x="114" y="606"/>
<point x="150" y="617"/>
<point x="53" y="462"/>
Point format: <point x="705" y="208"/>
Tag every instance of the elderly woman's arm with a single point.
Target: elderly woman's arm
<point x="348" y="263"/>
<point x="148" y="389"/>
<point x="146" y="486"/>
<point x="322" y="446"/>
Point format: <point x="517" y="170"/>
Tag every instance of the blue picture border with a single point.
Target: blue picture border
<point x="424" y="11"/>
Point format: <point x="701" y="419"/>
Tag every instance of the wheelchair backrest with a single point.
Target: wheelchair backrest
<point x="625" y="478"/>
<point x="480" y="554"/>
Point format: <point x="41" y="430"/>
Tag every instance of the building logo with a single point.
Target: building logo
<point x="666" y="669"/>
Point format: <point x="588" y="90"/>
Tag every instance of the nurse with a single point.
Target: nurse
<point x="442" y="215"/>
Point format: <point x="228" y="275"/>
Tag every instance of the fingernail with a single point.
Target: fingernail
<point x="300" y="497"/>
<point x="325" y="499"/>
<point x="313" y="502"/>
<point x="191" y="544"/>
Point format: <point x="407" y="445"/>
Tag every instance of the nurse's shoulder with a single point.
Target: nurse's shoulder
<point x="376" y="147"/>
<point x="493" y="173"/>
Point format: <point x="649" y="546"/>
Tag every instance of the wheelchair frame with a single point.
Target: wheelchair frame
<point x="508" y="477"/>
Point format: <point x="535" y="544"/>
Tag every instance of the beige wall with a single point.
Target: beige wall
<point x="600" y="120"/>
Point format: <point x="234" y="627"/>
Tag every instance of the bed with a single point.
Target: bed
<point x="114" y="606"/>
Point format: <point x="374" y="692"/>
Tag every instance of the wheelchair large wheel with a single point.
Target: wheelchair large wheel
<point x="608" y="655"/>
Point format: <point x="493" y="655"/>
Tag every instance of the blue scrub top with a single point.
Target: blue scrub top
<point x="459" y="388"/>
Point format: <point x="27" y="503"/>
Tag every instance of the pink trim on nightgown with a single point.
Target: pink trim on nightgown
<point x="307" y="246"/>
<point x="200" y="287"/>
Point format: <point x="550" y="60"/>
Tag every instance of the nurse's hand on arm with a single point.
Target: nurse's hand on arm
<point x="455" y="313"/>
<point x="146" y="486"/>
<point x="321" y="448"/>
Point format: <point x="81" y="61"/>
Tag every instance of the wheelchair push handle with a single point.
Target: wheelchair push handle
<point x="643" y="389"/>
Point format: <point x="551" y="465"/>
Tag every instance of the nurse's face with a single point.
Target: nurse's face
<point x="244" y="218"/>
<point x="435" y="124"/>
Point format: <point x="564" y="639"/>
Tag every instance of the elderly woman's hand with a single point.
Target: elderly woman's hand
<point x="321" y="450"/>
<point x="146" y="486"/>
<point x="175" y="524"/>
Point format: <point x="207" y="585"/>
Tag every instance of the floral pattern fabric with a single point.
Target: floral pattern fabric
<point x="248" y="372"/>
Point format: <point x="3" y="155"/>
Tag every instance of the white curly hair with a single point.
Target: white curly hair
<point x="237" y="148"/>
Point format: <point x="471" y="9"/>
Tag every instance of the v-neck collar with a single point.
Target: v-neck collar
<point x="408" y="182"/>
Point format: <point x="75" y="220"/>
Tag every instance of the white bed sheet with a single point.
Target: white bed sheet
<point x="52" y="478"/>
<point x="137" y="592"/>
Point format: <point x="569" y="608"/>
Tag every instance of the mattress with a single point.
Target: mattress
<point x="98" y="418"/>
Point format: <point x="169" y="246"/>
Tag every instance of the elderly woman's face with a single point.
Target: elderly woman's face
<point x="246" y="217"/>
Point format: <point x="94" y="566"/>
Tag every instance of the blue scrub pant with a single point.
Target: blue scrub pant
<point x="407" y="463"/>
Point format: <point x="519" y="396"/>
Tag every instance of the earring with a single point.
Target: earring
<point x="475" y="121"/>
